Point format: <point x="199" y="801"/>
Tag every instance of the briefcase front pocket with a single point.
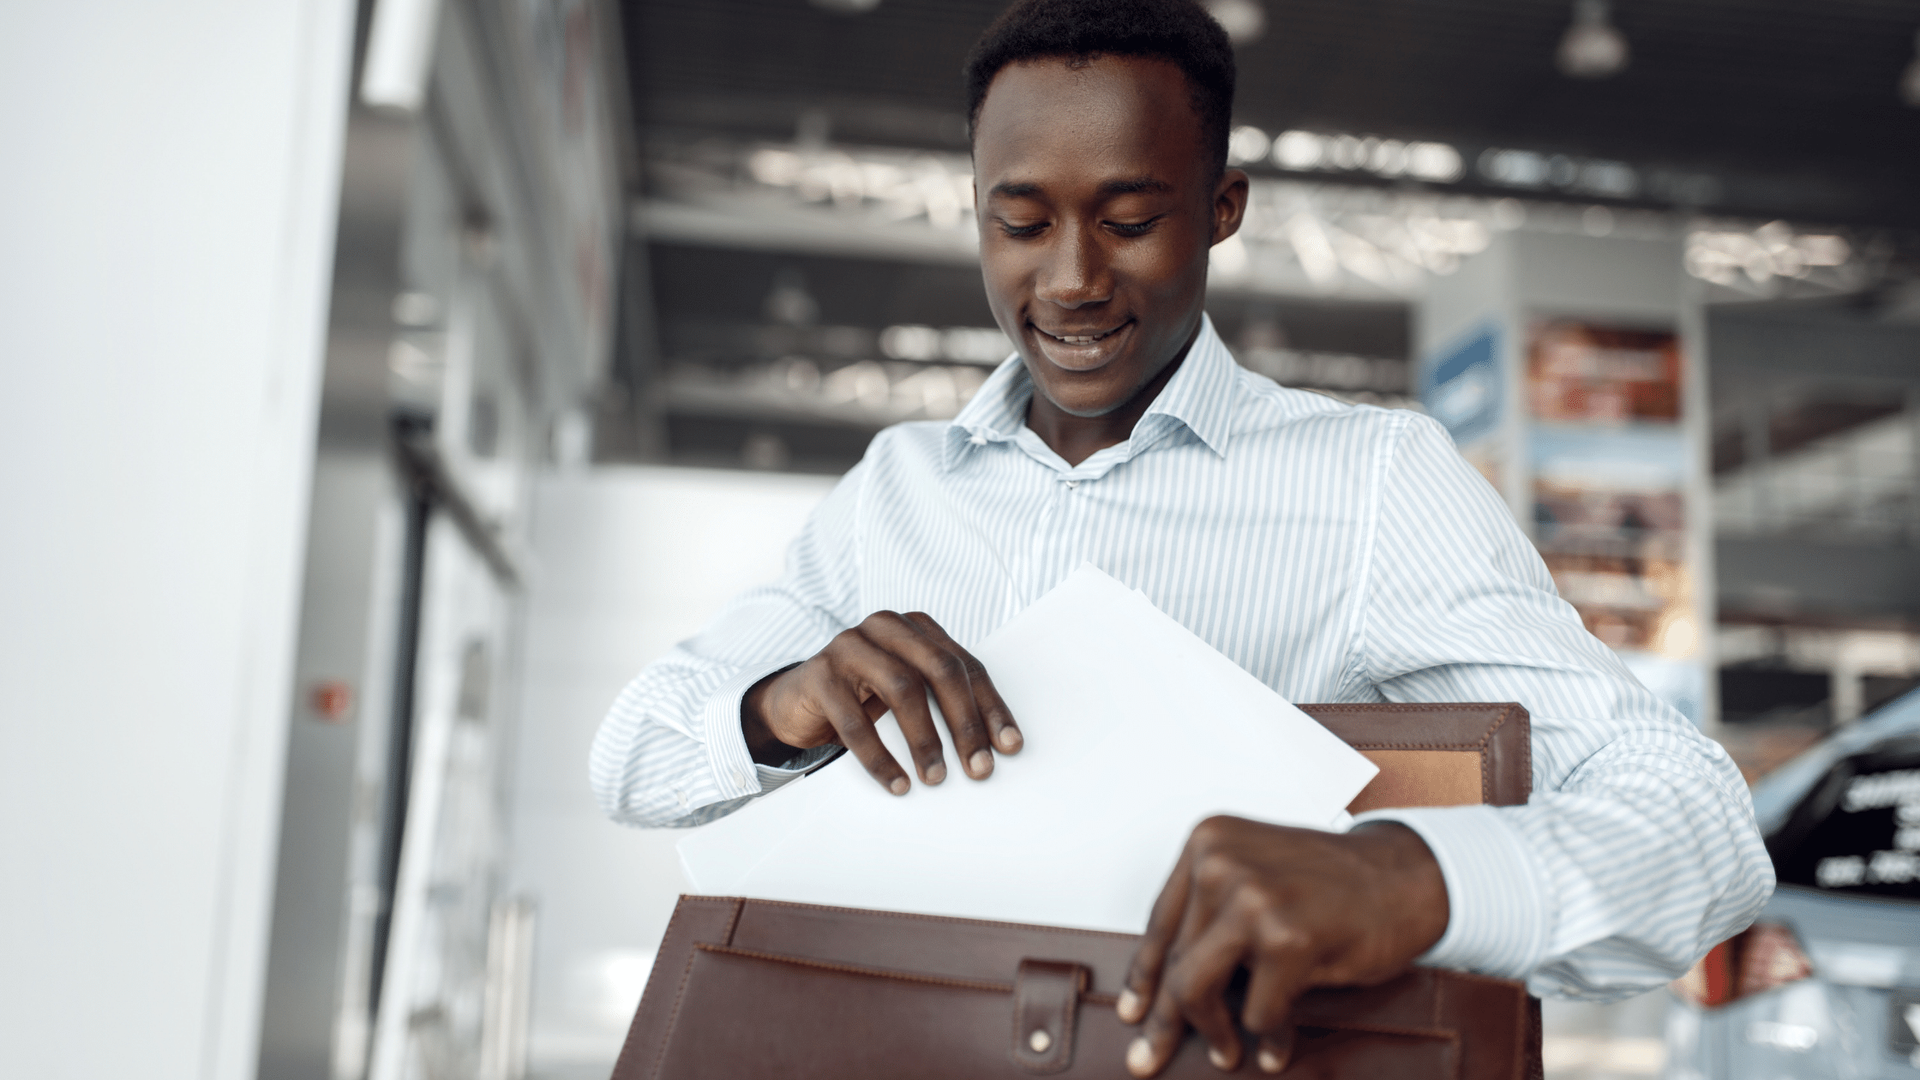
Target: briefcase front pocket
<point x="742" y="1013"/>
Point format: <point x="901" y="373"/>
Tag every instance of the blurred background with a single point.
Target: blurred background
<point x="387" y="382"/>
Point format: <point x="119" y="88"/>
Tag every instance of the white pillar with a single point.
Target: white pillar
<point x="166" y="235"/>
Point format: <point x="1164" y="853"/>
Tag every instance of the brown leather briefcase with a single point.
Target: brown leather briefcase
<point x="744" y="988"/>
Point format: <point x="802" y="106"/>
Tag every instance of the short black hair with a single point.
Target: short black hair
<point x="1179" y="31"/>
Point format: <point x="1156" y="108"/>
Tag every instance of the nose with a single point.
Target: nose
<point x="1074" y="272"/>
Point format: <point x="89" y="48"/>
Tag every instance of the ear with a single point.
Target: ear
<point x="1229" y="204"/>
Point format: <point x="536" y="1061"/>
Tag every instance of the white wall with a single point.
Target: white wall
<point x="166" y="232"/>
<point x="629" y="561"/>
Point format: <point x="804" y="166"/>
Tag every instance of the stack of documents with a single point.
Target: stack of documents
<point x="1135" y="729"/>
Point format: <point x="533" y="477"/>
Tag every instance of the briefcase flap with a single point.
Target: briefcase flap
<point x="753" y="987"/>
<point x="745" y="987"/>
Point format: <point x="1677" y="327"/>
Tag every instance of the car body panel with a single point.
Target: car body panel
<point x="1865" y="953"/>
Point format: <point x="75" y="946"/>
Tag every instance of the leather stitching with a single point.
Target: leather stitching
<point x="1049" y="930"/>
<point x="733" y="921"/>
<point x="1526" y="760"/>
<point x="1481" y="745"/>
<point x="653" y="979"/>
<point x="857" y="969"/>
<point x="990" y="987"/>
<point x="679" y="996"/>
<point x="1460" y="748"/>
<point x="1405" y="706"/>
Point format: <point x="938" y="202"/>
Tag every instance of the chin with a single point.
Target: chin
<point x="1087" y="402"/>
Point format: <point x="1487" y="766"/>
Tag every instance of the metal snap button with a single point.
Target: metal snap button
<point x="1039" y="1040"/>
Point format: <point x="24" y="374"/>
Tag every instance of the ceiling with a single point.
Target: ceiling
<point x="1791" y="104"/>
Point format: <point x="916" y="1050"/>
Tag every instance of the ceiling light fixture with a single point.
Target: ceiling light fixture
<point x="1592" y="47"/>
<point x="1243" y="20"/>
<point x="399" y="54"/>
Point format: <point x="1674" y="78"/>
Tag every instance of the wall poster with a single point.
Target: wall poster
<point x="1610" y="463"/>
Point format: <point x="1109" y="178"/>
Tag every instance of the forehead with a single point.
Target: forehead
<point x="1114" y="116"/>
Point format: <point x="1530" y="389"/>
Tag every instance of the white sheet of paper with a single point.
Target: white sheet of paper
<point x="1136" y="730"/>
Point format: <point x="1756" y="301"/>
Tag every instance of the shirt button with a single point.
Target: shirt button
<point x="978" y="440"/>
<point x="682" y="796"/>
<point x="739" y="778"/>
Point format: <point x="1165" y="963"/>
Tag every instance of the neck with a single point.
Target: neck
<point x="1077" y="438"/>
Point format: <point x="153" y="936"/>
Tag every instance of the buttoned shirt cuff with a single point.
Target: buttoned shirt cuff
<point x="735" y="773"/>
<point x="1499" y="908"/>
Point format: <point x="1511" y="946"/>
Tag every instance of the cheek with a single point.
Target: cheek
<point x="1166" y="272"/>
<point x="1005" y="279"/>
<point x="1173" y="260"/>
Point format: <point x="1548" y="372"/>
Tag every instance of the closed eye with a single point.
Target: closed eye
<point x="1020" y="231"/>
<point x="1141" y="228"/>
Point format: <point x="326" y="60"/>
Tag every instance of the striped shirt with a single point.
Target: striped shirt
<point x="1338" y="553"/>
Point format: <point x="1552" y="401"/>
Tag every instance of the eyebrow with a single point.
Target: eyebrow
<point x="1137" y="185"/>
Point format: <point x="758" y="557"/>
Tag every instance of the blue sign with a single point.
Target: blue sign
<point x="1462" y="388"/>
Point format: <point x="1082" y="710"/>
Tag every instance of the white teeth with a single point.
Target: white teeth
<point x="1081" y="339"/>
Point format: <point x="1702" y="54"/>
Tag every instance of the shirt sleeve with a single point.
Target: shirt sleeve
<point x="670" y="752"/>
<point x="1638" y="850"/>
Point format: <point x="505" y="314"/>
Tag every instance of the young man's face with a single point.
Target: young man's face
<point x="1097" y="206"/>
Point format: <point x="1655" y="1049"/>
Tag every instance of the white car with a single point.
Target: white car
<point x="1827" y="981"/>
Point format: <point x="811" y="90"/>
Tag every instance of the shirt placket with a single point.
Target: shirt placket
<point x="1049" y="549"/>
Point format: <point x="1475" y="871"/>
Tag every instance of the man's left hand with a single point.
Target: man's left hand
<point x="1299" y="908"/>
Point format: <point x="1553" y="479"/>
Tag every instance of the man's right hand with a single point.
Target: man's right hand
<point x="889" y="662"/>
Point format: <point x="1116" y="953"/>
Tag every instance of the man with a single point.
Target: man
<point x="1338" y="553"/>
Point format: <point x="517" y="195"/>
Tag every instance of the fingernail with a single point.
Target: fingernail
<point x="1128" y="1007"/>
<point x="1270" y="1062"/>
<point x="899" y="785"/>
<point x="1219" y="1058"/>
<point x="1140" y="1057"/>
<point x="981" y="763"/>
<point x="1011" y="739"/>
<point x="936" y="772"/>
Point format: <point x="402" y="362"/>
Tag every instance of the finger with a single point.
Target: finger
<point x="1159" y="1037"/>
<point x="1196" y="984"/>
<point x="1276" y="1051"/>
<point x="1282" y="971"/>
<point x="855" y="732"/>
<point x="865" y="663"/>
<point x="1143" y="975"/>
<point x="943" y="673"/>
<point x="988" y="704"/>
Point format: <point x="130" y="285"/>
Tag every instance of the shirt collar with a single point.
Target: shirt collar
<point x="1199" y="396"/>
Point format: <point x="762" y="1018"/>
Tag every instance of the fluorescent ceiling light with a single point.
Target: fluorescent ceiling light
<point x="1243" y="20"/>
<point x="1592" y="48"/>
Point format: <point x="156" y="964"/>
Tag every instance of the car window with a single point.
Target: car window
<point x="1858" y="829"/>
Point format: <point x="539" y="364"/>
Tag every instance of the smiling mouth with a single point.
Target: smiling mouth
<point x="1084" y="339"/>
